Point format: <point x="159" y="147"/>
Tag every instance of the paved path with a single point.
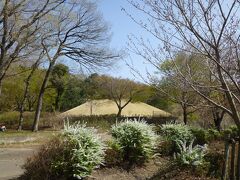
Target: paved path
<point x="11" y="160"/>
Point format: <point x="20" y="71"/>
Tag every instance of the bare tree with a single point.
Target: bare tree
<point x="27" y="81"/>
<point x="209" y="29"/>
<point x="75" y="31"/>
<point x="19" y="28"/>
<point x="121" y="91"/>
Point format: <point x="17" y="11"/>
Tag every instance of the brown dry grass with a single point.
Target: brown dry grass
<point x="106" y="107"/>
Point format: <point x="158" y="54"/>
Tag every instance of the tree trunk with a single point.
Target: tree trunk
<point x="119" y="112"/>
<point x="226" y="156"/>
<point x="3" y="50"/>
<point x="20" y="121"/>
<point x="232" y="170"/>
<point x="185" y="114"/>
<point x="120" y="107"/>
<point x="21" y="111"/>
<point x="217" y="117"/>
<point x="217" y="123"/>
<point x="31" y="102"/>
<point x="230" y="98"/>
<point x="26" y="91"/>
<point x="29" y="106"/>
<point x="238" y="161"/>
<point x="40" y="97"/>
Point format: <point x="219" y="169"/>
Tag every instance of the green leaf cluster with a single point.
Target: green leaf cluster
<point x="136" y="139"/>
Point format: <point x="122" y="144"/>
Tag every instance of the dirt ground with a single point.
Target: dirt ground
<point x="158" y="169"/>
<point x="13" y="156"/>
<point x="146" y="171"/>
<point x="11" y="160"/>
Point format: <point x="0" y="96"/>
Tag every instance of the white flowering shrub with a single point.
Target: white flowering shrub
<point x="73" y="154"/>
<point x="83" y="151"/>
<point x="189" y="154"/>
<point x="136" y="139"/>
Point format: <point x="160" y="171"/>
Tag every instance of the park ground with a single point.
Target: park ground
<point x="16" y="147"/>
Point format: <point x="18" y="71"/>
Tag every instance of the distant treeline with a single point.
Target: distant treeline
<point x="66" y="90"/>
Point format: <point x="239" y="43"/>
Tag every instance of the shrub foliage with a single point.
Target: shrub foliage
<point x="191" y="155"/>
<point x="176" y="132"/>
<point x="136" y="139"/>
<point x="74" y="154"/>
<point x="173" y="133"/>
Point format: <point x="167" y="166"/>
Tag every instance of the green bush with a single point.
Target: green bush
<point x="201" y="136"/>
<point x="136" y="139"/>
<point x="214" y="134"/>
<point x="173" y="133"/>
<point x="176" y="132"/>
<point x="205" y="136"/>
<point x="74" y="154"/>
<point x="113" y="154"/>
<point x="231" y="132"/>
<point x="190" y="155"/>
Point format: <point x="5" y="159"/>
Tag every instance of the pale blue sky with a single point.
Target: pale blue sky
<point x="121" y="27"/>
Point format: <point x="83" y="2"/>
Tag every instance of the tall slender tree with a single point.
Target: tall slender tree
<point x="76" y="31"/>
<point x="27" y="88"/>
